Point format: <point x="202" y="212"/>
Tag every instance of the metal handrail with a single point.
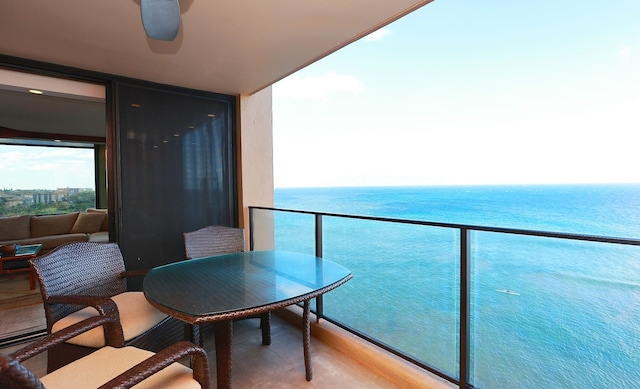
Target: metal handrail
<point x="471" y="227"/>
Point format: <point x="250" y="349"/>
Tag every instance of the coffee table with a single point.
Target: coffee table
<point x="222" y="288"/>
<point x="17" y="262"/>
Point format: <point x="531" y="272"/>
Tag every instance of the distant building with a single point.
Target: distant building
<point x="12" y="200"/>
<point x="43" y="198"/>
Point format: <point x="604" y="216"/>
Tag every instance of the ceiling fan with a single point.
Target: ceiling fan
<point x="160" y="18"/>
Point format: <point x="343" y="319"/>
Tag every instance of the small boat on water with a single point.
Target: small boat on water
<point x="507" y="291"/>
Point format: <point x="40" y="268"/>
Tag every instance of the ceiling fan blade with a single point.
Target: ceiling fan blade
<point x="160" y="18"/>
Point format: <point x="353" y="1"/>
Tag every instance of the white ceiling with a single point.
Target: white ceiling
<point x="225" y="46"/>
<point x="64" y="107"/>
<point x="50" y="114"/>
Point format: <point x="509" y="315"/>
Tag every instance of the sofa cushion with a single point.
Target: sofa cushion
<point x="15" y="227"/>
<point x="53" y="241"/>
<point x="88" y="222"/>
<point x="105" y="222"/>
<point x="52" y="224"/>
<point x="99" y="237"/>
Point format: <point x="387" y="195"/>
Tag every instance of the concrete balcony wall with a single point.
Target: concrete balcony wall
<point x="255" y="154"/>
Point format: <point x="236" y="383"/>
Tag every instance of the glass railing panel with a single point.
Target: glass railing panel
<point x="404" y="291"/>
<point x="262" y="229"/>
<point x="554" y="313"/>
<point x="288" y="231"/>
<point x="295" y="232"/>
<point x="545" y="311"/>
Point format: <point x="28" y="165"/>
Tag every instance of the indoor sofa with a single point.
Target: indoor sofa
<point x="54" y="230"/>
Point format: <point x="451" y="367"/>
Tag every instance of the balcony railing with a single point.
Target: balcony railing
<point x="481" y="307"/>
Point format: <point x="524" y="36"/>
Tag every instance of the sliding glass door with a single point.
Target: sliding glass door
<point x="176" y="170"/>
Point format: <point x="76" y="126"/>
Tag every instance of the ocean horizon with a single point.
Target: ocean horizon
<point x="545" y="312"/>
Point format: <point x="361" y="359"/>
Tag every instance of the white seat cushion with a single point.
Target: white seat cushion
<point x="108" y="362"/>
<point x="136" y="316"/>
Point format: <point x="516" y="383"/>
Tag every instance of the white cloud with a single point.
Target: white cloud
<point x="29" y="167"/>
<point x="377" y="35"/>
<point x="624" y="51"/>
<point x="317" y="88"/>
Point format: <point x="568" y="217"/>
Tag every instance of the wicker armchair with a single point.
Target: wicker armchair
<point x="217" y="240"/>
<point x="80" y="280"/>
<point x="112" y="366"/>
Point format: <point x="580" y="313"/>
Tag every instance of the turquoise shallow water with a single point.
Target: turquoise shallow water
<point x="546" y="313"/>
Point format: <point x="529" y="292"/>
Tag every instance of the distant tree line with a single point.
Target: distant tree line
<point x="74" y="203"/>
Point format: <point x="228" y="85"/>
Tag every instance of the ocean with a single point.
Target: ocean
<point x="545" y="312"/>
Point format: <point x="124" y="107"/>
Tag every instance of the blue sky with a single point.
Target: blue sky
<point x="459" y="92"/>
<point x="45" y="167"/>
<point x="469" y="92"/>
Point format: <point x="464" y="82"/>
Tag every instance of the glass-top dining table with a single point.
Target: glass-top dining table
<point x="223" y="288"/>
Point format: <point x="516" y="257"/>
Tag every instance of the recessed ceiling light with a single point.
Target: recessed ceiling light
<point x="176" y="135"/>
<point x="211" y="115"/>
<point x="135" y="105"/>
<point x="35" y="91"/>
<point x="192" y="127"/>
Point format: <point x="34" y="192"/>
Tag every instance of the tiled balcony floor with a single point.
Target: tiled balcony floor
<point x="279" y="365"/>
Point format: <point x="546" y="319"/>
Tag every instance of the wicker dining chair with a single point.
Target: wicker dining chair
<point x="112" y="366"/>
<point x="216" y="240"/>
<point x="79" y="280"/>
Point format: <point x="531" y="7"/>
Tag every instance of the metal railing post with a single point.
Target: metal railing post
<point x="465" y="307"/>
<point x="319" y="299"/>
<point x="251" y="214"/>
